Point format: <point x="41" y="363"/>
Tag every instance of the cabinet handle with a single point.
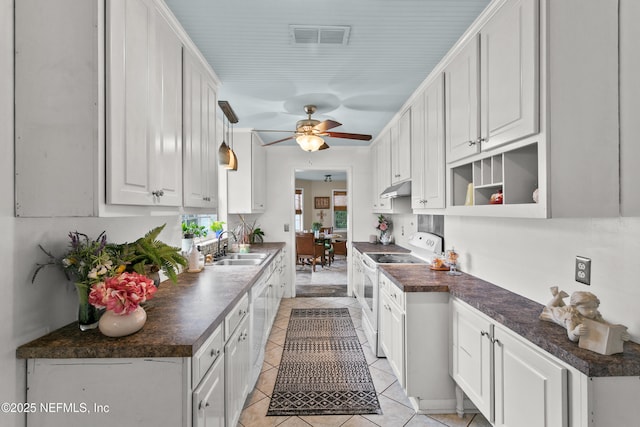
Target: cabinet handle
<point x="203" y="404"/>
<point x="214" y="352"/>
<point x="485" y="334"/>
<point x="158" y="193"/>
<point x="496" y="341"/>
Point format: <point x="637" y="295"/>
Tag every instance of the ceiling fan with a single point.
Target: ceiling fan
<point x="309" y="132"/>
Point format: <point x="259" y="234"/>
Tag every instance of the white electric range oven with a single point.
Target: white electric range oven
<point x="424" y="247"/>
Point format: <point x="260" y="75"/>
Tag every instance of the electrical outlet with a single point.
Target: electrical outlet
<point x="286" y="228"/>
<point x="583" y="270"/>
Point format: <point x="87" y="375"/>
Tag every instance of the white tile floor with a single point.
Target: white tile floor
<point x="396" y="408"/>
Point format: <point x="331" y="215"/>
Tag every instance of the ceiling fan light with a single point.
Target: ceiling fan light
<point x="223" y="154"/>
<point x="310" y="142"/>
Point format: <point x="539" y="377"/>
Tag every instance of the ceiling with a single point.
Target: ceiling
<point x="319" y="175"/>
<point x="268" y="79"/>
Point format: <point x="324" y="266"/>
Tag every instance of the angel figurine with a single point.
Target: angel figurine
<point x="582" y="305"/>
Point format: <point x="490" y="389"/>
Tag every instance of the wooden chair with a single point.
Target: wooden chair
<point x="308" y="251"/>
<point x="340" y="248"/>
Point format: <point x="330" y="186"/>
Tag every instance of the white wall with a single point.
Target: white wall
<point x="282" y="161"/>
<point x="529" y="256"/>
<point x="27" y="310"/>
<point x="317" y="189"/>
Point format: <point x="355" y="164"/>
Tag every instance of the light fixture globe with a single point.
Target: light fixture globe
<point x="310" y="142"/>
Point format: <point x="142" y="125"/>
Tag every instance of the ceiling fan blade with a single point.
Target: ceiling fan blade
<point x="323" y="146"/>
<point x="326" y="125"/>
<point x="359" y="136"/>
<point x="270" y="130"/>
<point x="280" y="140"/>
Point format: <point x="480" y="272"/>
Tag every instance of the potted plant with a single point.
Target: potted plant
<point x="148" y="256"/>
<point x="257" y="236"/>
<point x="191" y="230"/>
<point x="217" y="228"/>
<point x="316" y="226"/>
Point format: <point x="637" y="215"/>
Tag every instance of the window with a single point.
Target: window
<point x="339" y="209"/>
<point x="297" y="202"/>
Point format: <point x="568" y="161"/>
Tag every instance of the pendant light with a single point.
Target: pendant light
<point x="233" y="159"/>
<point x="226" y="156"/>
<point x="223" y="151"/>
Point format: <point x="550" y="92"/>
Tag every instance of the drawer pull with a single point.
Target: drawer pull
<point x="214" y="352"/>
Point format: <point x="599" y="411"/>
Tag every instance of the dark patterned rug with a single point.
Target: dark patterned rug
<point x="323" y="369"/>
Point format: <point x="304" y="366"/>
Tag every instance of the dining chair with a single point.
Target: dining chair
<point x="340" y="248"/>
<point x="308" y="251"/>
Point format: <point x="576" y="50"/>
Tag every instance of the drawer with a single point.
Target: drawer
<point x="235" y="316"/>
<point x="207" y="355"/>
<point x="393" y="292"/>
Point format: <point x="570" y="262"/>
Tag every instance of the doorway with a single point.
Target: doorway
<point x="321" y="202"/>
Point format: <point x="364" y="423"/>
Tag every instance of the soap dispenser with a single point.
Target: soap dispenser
<point x="194" y="259"/>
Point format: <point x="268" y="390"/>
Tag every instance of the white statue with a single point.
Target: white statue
<point x="582" y="310"/>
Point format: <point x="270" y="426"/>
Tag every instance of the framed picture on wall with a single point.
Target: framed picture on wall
<point x="322" y="202"/>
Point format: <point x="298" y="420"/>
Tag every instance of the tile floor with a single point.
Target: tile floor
<point x="396" y="408"/>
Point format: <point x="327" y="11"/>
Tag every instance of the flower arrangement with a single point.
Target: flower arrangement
<point x="384" y="224"/>
<point x="123" y="293"/>
<point x="91" y="263"/>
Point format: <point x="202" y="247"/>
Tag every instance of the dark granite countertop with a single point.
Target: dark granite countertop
<point x="519" y="314"/>
<point x="180" y="317"/>
<point x="378" y="247"/>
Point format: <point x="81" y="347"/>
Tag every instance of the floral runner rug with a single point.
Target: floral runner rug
<point x="323" y="370"/>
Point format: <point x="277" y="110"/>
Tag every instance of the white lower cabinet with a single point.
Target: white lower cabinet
<point x="413" y="335"/>
<point x="237" y="353"/>
<point x="512" y="382"/>
<point x="208" y="398"/>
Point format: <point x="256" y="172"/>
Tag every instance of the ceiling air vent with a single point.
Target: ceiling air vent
<point x="319" y="34"/>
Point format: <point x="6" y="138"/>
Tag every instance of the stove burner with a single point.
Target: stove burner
<point x="395" y="258"/>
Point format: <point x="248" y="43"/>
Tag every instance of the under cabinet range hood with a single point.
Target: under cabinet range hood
<point x="398" y="190"/>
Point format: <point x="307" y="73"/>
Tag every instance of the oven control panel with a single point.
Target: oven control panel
<point x="426" y="243"/>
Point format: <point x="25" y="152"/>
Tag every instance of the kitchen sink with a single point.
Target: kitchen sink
<point x="246" y="256"/>
<point x="242" y="259"/>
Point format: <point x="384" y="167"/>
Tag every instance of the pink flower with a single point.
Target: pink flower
<point x="123" y="293"/>
<point x="383" y="226"/>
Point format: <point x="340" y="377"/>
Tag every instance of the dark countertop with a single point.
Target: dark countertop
<point x="519" y="314"/>
<point x="180" y="317"/>
<point x="378" y="247"/>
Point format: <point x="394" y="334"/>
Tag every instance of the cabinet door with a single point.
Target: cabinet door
<point x="434" y="161"/>
<point x="418" y="167"/>
<point x="382" y="173"/>
<point x="208" y="398"/>
<point x="401" y="148"/>
<point x="237" y="356"/>
<point x="509" y="74"/>
<point x="200" y="151"/>
<point x="461" y="92"/>
<point x="259" y="175"/>
<point x="130" y="137"/>
<point x="472" y="364"/>
<point x="530" y="389"/>
<point x="166" y="169"/>
<point x="144" y="112"/>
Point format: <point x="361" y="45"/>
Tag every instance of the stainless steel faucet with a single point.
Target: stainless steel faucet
<point x="224" y="248"/>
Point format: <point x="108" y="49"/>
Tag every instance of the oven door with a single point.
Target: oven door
<point x="370" y="291"/>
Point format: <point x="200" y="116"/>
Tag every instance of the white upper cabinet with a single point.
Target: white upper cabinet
<point x="112" y="126"/>
<point x="246" y="187"/>
<point x="629" y="106"/>
<point x="200" y="145"/>
<point x="428" y="148"/>
<point x="401" y="148"/>
<point x="144" y="98"/>
<point x="462" y="91"/>
<point x="509" y="74"/>
<point x="492" y="84"/>
<point x="381" y="167"/>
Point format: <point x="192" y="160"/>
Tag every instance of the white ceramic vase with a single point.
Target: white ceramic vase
<point x="120" y="325"/>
